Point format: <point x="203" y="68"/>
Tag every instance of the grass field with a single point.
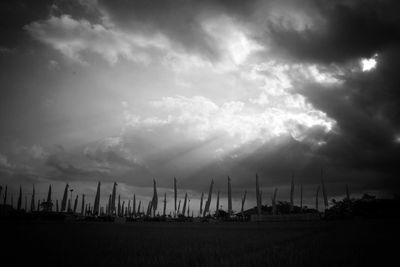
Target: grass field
<point x="321" y="243"/>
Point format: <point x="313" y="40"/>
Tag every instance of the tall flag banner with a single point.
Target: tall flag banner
<point x="243" y="200"/>
<point x="188" y="209"/>
<point x="154" y="202"/>
<point x="123" y="209"/>
<point x="119" y="206"/>
<point x="129" y="213"/>
<point x="201" y="203"/>
<point x="208" y="203"/>
<point x="274" y="210"/>
<point x="217" y="205"/>
<point x="184" y="205"/>
<point x="49" y="203"/>
<point x="49" y="195"/>
<point x="33" y="199"/>
<point x="83" y="204"/>
<point x="109" y="205"/>
<point x="175" y="193"/>
<point x="258" y="196"/>
<point x="165" y="204"/>
<point x="148" y="213"/>
<point x="316" y="199"/>
<point x="229" y="196"/>
<point x="97" y="200"/>
<point x="292" y="193"/>
<point x="113" y="196"/>
<point x="64" y="200"/>
<point x="76" y="203"/>
<point x="19" y="202"/>
<point x="324" y="191"/>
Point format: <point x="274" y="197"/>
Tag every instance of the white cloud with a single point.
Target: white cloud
<point x="73" y="37"/>
<point x="201" y="119"/>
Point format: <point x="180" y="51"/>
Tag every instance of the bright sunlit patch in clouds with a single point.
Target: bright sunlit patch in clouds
<point x="368" y="64"/>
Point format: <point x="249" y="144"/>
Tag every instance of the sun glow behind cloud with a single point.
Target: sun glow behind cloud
<point x="368" y="64"/>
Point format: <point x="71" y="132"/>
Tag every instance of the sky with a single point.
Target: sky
<point x="131" y="91"/>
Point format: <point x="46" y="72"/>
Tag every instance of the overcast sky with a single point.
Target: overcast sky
<point x="129" y="91"/>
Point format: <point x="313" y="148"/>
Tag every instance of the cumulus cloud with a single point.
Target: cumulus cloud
<point x="73" y="37"/>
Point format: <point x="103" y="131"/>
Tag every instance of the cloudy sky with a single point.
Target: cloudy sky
<point x="128" y="91"/>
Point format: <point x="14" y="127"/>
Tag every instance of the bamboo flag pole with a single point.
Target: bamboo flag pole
<point x="184" y="205"/>
<point x="165" y="203"/>
<point x="113" y="197"/>
<point x="19" y="202"/>
<point x="33" y="199"/>
<point x="217" y="205"/>
<point x="154" y="201"/>
<point x="64" y="199"/>
<point x="97" y="200"/>
<point x="76" y="203"/>
<point x="188" y="209"/>
<point x="243" y="200"/>
<point x="201" y="203"/>
<point x="109" y="205"/>
<point x="83" y="204"/>
<point x="324" y="191"/>
<point x="229" y="196"/>
<point x="175" y="194"/>
<point x="208" y="203"/>
<point x="179" y="207"/>
<point x="119" y="206"/>
<point x="49" y="201"/>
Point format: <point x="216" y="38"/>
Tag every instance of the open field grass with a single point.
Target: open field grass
<point x="321" y="243"/>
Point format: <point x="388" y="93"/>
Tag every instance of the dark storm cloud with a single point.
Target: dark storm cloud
<point x="367" y="112"/>
<point x="350" y="29"/>
<point x="15" y="14"/>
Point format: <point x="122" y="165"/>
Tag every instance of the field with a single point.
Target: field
<point x="321" y="243"/>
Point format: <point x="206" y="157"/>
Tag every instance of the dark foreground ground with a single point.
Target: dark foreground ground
<point x="322" y="243"/>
